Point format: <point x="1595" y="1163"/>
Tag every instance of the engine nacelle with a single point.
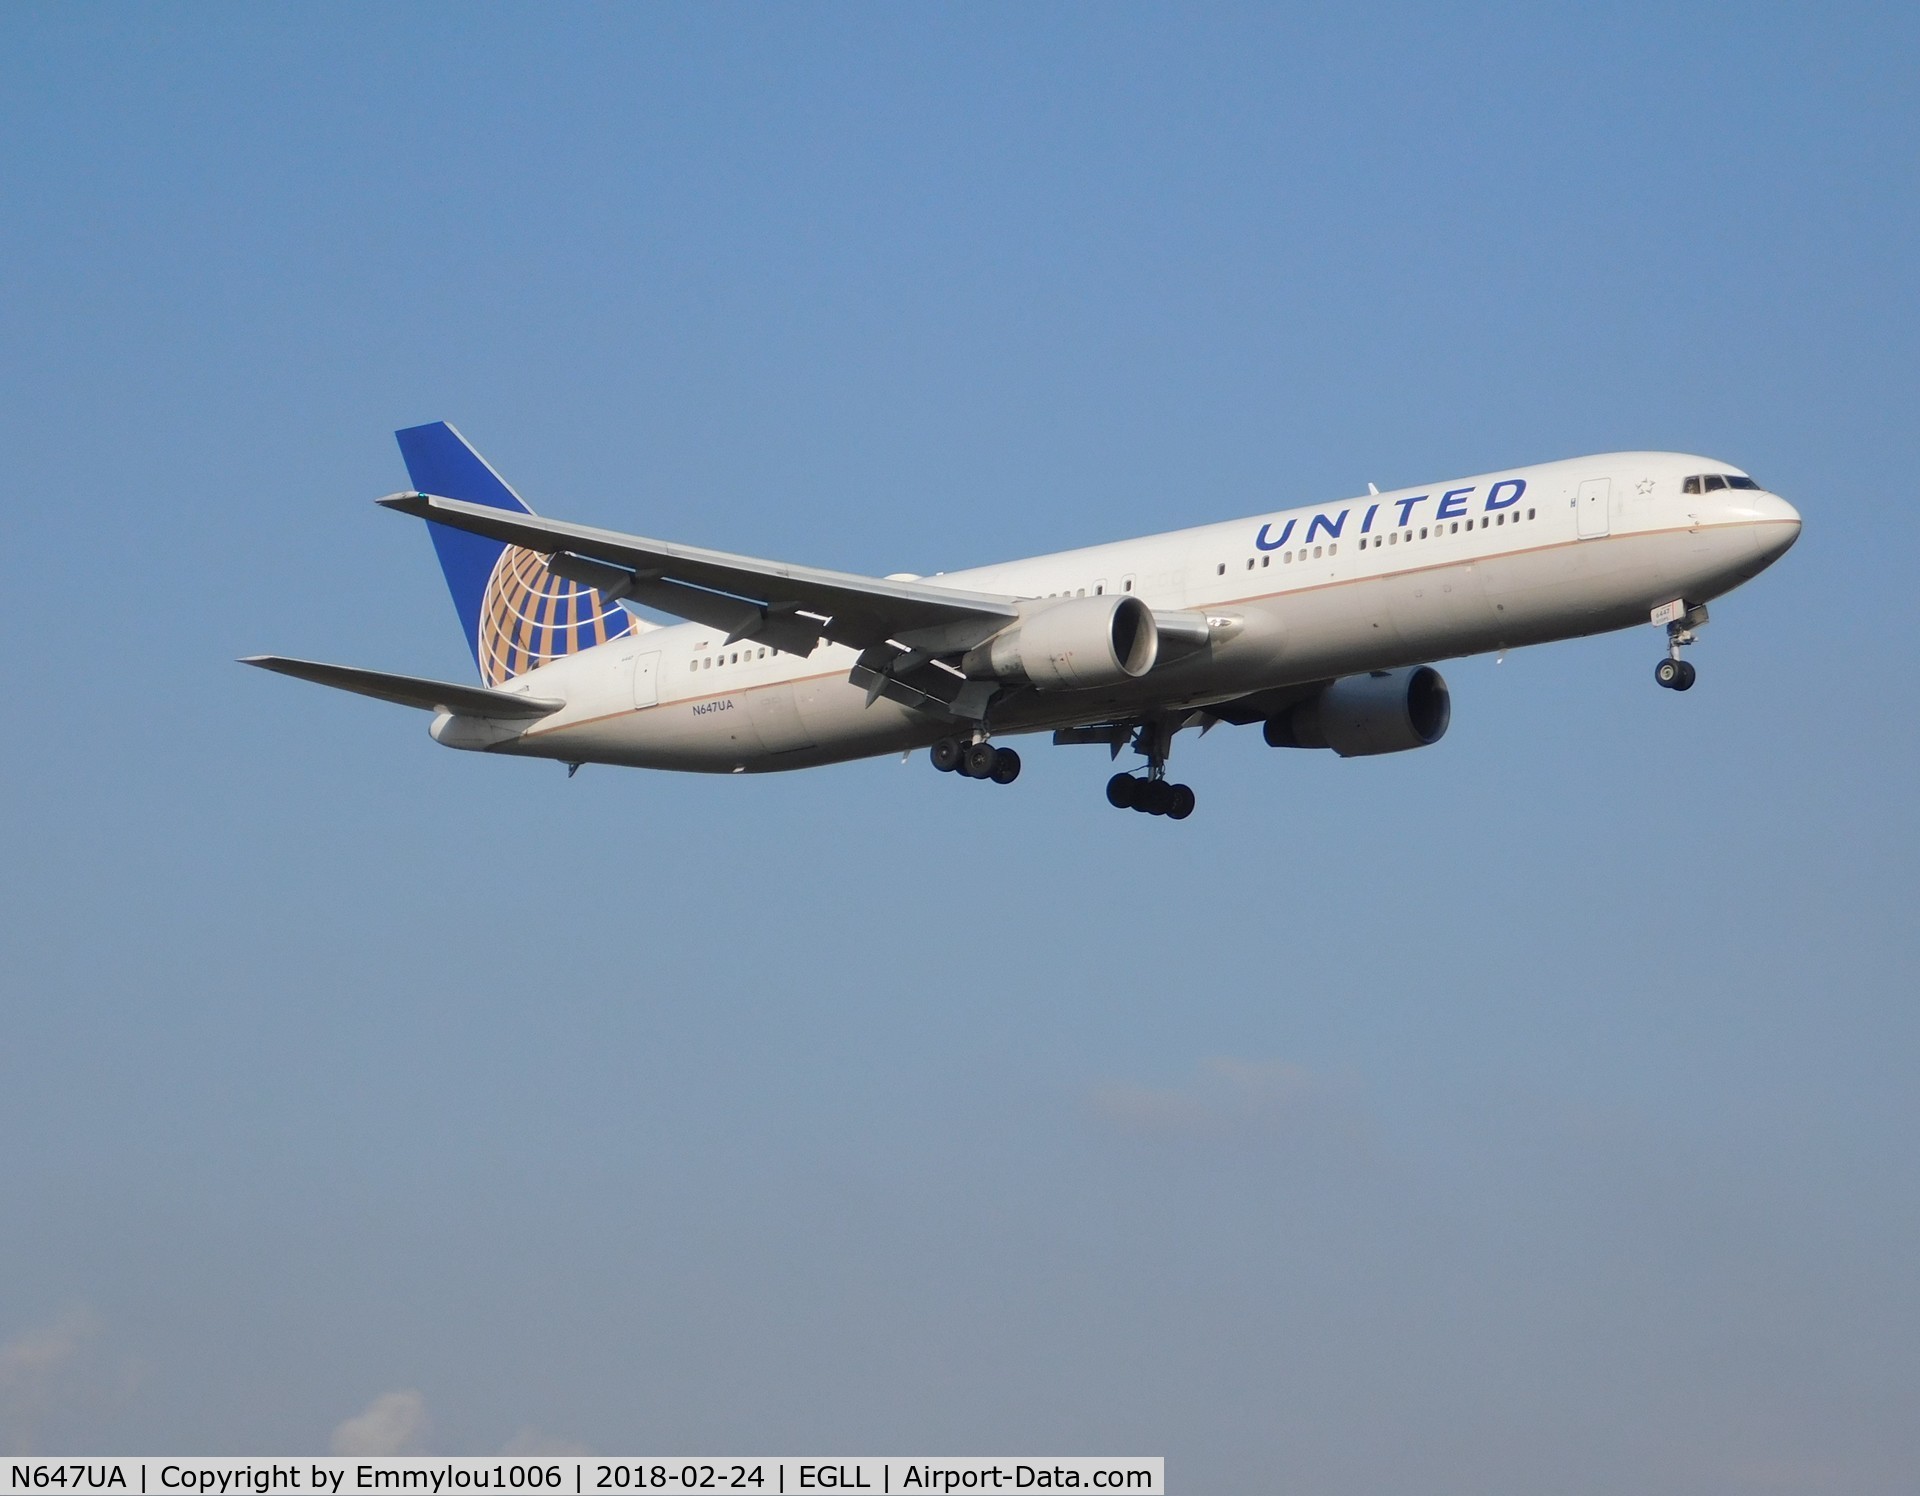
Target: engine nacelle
<point x="1073" y="644"/>
<point x="1388" y="711"/>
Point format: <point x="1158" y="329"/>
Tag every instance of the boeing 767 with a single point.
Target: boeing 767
<point x="1320" y="624"/>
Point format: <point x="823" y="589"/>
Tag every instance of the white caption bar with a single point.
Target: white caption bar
<point x="574" y="1476"/>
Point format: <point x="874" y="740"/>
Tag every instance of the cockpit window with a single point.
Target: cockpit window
<point x="1708" y="482"/>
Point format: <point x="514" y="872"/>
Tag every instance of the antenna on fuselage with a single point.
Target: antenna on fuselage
<point x="1372" y="491"/>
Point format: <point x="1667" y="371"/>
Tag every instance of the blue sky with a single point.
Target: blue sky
<point x="1532" y="1112"/>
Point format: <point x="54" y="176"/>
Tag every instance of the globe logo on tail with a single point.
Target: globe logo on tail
<point x="529" y="617"/>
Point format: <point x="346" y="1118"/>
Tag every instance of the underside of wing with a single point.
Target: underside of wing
<point x="411" y="690"/>
<point x="790" y="608"/>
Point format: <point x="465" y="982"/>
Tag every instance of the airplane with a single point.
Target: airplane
<point x="1320" y="624"/>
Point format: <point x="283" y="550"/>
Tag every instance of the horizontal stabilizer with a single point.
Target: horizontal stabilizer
<point x="411" y="690"/>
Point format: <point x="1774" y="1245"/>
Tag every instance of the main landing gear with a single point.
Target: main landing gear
<point x="979" y="760"/>
<point x="1682" y="623"/>
<point x="1152" y="795"/>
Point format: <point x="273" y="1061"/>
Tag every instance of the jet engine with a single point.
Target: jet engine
<point x="1387" y="711"/>
<point x="1073" y="644"/>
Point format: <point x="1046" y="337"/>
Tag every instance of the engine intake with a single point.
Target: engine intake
<point x="1073" y="644"/>
<point x="1388" y="711"/>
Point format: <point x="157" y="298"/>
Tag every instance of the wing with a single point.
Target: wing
<point x="411" y="690"/>
<point x="902" y="629"/>
<point x="738" y="593"/>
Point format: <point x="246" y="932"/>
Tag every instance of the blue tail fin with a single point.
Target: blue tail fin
<point x="516" y="613"/>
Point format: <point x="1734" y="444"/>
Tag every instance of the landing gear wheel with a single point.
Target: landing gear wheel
<point x="1156" y="797"/>
<point x="979" y="760"/>
<point x="1006" y="766"/>
<point x="1675" y="675"/>
<point x="1122" y="791"/>
<point x="1182" y="805"/>
<point x="946" y="754"/>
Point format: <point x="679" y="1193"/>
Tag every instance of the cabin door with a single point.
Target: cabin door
<point x="646" y="678"/>
<point x="1595" y="495"/>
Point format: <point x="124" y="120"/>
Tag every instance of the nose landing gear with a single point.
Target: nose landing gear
<point x="1682" y="623"/>
<point x="977" y="760"/>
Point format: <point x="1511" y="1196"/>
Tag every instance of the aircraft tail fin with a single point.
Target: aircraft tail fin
<point x="515" y="613"/>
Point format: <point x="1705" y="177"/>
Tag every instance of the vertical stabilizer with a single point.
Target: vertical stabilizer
<point x="515" y="613"/>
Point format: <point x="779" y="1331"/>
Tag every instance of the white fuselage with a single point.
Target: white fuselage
<point x="1505" y="559"/>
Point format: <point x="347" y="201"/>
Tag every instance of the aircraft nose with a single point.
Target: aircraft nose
<point x="1777" y="510"/>
<point x="1775" y="522"/>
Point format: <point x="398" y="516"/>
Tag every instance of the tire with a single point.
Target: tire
<point x="979" y="760"/>
<point x="946" y="755"/>
<point x="1122" y="791"/>
<point x="1156" y="798"/>
<point x="1667" y="673"/>
<point x="1685" y="683"/>
<point x="1006" y="766"/>
<point x="1182" y="806"/>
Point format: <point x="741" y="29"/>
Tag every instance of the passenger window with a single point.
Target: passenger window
<point x="1098" y="588"/>
<point x="1333" y="550"/>
<point x="1456" y="528"/>
<point x="1266" y="561"/>
<point x="1223" y="568"/>
<point x="1316" y="552"/>
<point x="1423" y="532"/>
<point x="1499" y="519"/>
<point x="1529" y="514"/>
<point x="1287" y="559"/>
<point x="1127" y="585"/>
